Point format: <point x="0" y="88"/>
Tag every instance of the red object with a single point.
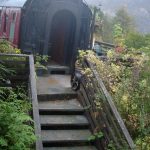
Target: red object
<point x="119" y="49"/>
<point x="10" y="24"/>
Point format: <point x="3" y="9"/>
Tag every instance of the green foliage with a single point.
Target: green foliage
<point x="125" y="20"/>
<point x="118" y="32"/>
<point x="118" y="35"/>
<point x="147" y="40"/>
<point x="111" y="146"/>
<point x="95" y="136"/>
<point x="40" y="60"/>
<point x="143" y="143"/>
<point x="103" y="26"/>
<point x="106" y="23"/>
<point x="127" y="76"/>
<point x="5" y="47"/>
<point x="107" y="29"/>
<point x="16" y="131"/>
<point x="4" y="72"/>
<point x="137" y="40"/>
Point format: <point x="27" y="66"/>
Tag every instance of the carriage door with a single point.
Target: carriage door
<point x="62" y="38"/>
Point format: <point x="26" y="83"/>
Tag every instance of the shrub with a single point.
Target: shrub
<point x="5" y="47"/>
<point x="127" y="76"/>
<point x="16" y="131"/>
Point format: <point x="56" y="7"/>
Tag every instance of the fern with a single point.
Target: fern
<point x="16" y="131"/>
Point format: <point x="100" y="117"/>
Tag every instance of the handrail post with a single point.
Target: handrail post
<point x="35" y="104"/>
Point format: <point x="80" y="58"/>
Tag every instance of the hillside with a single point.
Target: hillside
<point x="139" y="10"/>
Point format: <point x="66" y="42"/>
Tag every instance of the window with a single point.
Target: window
<point x="14" y="17"/>
<point x="0" y="18"/>
<point x="5" y="22"/>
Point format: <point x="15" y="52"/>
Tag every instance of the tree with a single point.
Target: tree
<point x="118" y="35"/>
<point x="96" y="24"/>
<point x="135" y="40"/>
<point x="125" y="20"/>
<point x="107" y="29"/>
<point x="103" y="26"/>
<point x="147" y="40"/>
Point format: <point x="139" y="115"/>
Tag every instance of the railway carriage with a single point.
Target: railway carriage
<point x="56" y="28"/>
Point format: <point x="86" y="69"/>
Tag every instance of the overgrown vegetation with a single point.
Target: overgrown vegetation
<point x="126" y="75"/>
<point x="41" y="60"/>
<point x="105" y="23"/>
<point x="16" y="133"/>
<point x="5" y="47"/>
<point x="16" y="125"/>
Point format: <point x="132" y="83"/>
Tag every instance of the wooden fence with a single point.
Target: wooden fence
<point x="102" y="112"/>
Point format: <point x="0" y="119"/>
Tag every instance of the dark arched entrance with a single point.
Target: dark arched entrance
<point x="62" y="37"/>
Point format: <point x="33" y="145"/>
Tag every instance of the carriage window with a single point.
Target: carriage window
<point x="5" y="22"/>
<point x="0" y="18"/>
<point x="14" y="17"/>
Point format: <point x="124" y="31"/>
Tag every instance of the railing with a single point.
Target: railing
<point x="35" y="103"/>
<point x="104" y="44"/>
<point x="23" y="65"/>
<point x="102" y="112"/>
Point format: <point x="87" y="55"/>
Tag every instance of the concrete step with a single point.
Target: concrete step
<point x="71" y="148"/>
<point x="63" y="122"/>
<point x="60" y="107"/>
<point x="65" y="136"/>
<point x="58" y="90"/>
<point x="62" y="111"/>
<point x="57" y="69"/>
<point x="60" y="104"/>
<point x="60" y="95"/>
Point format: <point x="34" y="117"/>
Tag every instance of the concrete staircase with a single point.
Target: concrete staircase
<point x="63" y="124"/>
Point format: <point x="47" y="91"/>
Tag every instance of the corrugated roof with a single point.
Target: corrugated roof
<point x="12" y="3"/>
